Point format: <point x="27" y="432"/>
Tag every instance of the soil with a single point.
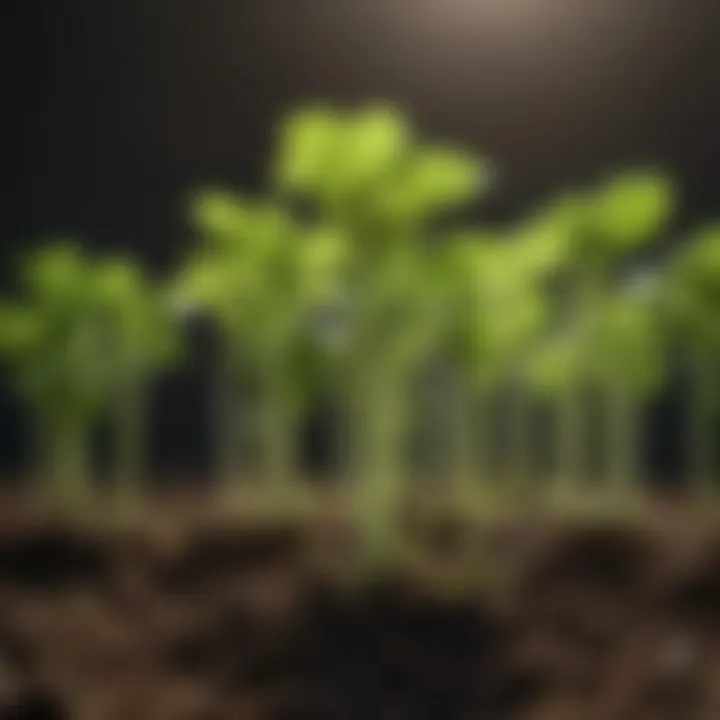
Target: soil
<point x="196" y="616"/>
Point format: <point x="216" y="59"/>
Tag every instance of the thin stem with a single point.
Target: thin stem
<point x="700" y="439"/>
<point x="482" y="428"/>
<point x="520" y="438"/>
<point x="379" y="431"/>
<point x="462" y="429"/>
<point x="278" y="430"/>
<point x="71" y="463"/>
<point x="40" y="451"/>
<point x="130" y="440"/>
<point x="570" y="437"/>
<point x="226" y="426"/>
<point x="623" y="429"/>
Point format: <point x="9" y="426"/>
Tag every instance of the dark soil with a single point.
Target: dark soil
<point x="205" y="618"/>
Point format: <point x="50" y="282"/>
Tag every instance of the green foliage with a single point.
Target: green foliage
<point x="633" y="208"/>
<point x="627" y="347"/>
<point x="21" y="332"/>
<point x="54" y="338"/>
<point x="337" y="156"/>
<point x="605" y="223"/>
<point x="431" y="181"/>
<point x="499" y="308"/>
<point x="559" y="363"/>
<point x="692" y="301"/>
<point x="536" y="305"/>
<point x="262" y="277"/>
<point x="139" y="329"/>
<point x="55" y="277"/>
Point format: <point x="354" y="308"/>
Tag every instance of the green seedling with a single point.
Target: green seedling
<point x="498" y="283"/>
<point x="358" y="301"/>
<point x="602" y="228"/>
<point x="692" y="314"/>
<point x="626" y="360"/>
<point x="371" y="178"/>
<point x="141" y="340"/>
<point x="53" y="340"/>
<point x="261" y="277"/>
<point x="490" y="313"/>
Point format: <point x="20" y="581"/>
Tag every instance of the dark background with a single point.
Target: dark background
<point x="113" y="110"/>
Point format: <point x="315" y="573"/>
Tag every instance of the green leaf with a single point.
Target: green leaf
<point x="558" y="364"/>
<point x="633" y="208"/>
<point x="219" y="215"/>
<point x="57" y="275"/>
<point x="322" y="260"/>
<point x="442" y="178"/>
<point x="627" y="347"/>
<point x="374" y="142"/>
<point x="308" y="142"/>
<point x="692" y="298"/>
<point x="21" y="331"/>
<point x="118" y="281"/>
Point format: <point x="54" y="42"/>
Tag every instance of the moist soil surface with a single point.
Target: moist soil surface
<point x="201" y="616"/>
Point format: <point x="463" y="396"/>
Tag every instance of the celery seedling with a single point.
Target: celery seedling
<point x="692" y="310"/>
<point x="371" y="179"/>
<point x="260" y="276"/>
<point x="53" y="339"/>
<point x="626" y="359"/>
<point x="603" y="226"/>
<point x="141" y="340"/>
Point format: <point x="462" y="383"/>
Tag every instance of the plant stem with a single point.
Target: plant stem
<point x="462" y="429"/>
<point x="378" y="432"/>
<point x="278" y="429"/>
<point x="700" y="439"/>
<point x="40" y="448"/>
<point x="624" y="439"/>
<point x="482" y="425"/>
<point x="71" y="463"/>
<point x="226" y="423"/>
<point x="570" y="448"/>
<point x="520" y="438"/>
<point x="130" y="438"/>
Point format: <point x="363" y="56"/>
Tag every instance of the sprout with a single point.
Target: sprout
<point x="383" y="190"/>
<point x="691" y="314"/>
<point x="633" y="208"/>
<point x="141" y="340"/>
<point x="626" y="359"/>
<point x="307" y="143"/>
<point x="261" y="286"/>
<point x="360" y="300"/>
<point x="53" y="341"/>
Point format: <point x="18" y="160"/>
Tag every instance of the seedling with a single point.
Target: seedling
<point x="692" y="314"/>
<point x="602" y="227"/>
<point x="626" y="361"/>
<point x="53" y="340"/>
<point x="383" y="189"/>
<point x="261" y="277"/>
<point x="351" y="281"/>
<point x="141" y="340"/>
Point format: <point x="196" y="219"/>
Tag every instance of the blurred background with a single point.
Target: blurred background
<point x="113" y="111"/>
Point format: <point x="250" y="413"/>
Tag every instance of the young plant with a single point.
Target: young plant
<point x="141" y="340"/>
<point x="692" y="309"/>
<point x="603" y="227"/>
<point x="490" y="314"/>
<point x="371" y="179"/>
<point x="558" y="376"/>
<point x="53" y="341"/>
<point x="260" y="276"/>
<point x="626" y="360"/>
